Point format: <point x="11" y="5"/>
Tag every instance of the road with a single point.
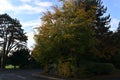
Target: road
<point x="29" y="75"/>
<point x="19" y="75"/>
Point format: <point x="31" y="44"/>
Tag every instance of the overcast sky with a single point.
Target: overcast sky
<point x="28" y="12"/>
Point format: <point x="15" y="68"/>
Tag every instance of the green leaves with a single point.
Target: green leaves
<point x="20" y="58"/>
<point x="67" y="33"/>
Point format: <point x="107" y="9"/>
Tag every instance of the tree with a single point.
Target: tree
<point x="71" y="34"/>
<point x="102" y="32"/>
<point x="12" y="36"/>
<point x="20" y="58"/>
<point x="115" y="43"/>
<point x="118" y="29"/>
<point x="65" y="35"/>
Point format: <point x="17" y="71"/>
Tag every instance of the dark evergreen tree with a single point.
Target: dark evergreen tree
<point x="118" y="29"/>
<point x="102" y="32"/>
<point x="102" y="22"/>
<point x="101" y="26"/>
<point x="115" y="42"/>
<point x="20" y="58"/>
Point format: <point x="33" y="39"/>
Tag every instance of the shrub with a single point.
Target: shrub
<point x="103" y="68"/>
<point x="64" y="69"/>
<point x="87" y="69"/>
<point x="79" y="71"/>
<point x="116" y="60"/>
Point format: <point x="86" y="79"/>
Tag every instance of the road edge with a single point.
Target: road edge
<point x="47" y="77"/>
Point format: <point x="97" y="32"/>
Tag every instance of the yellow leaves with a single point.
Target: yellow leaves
<point x="57" y="12"/>
<point x="72" y="49"/>
<point x="67" y="36"/>
<point x="68" y="4"/>
<point x="64" y="68"/>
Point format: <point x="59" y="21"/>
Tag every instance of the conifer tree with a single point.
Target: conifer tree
<point x="102" y="32"/>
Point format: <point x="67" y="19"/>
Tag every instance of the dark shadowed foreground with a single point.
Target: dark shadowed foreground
<point x="19" y="75"/>
<point x="30" y="75"/>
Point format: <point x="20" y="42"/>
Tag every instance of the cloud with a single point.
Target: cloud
<point x="5" y="6"/>
<point x="43" y="4"/>
<point x="114" y="24"/>
<point x="25" y="8"/>
<point x="24" y="1"/>
<point x="30" y="39"/>
<point x="35" y="6"/>
<point x="29" y="28"/>
<point x="32" y="24"/>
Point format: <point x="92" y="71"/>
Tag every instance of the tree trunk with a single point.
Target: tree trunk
<point x="46" y="69"/>
<point x="3" y="61"/>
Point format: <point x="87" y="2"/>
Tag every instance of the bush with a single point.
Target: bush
<point x="64" y="69"/>
<point x="84" y="69"/>
<point x="88" y="69"/>
<point x="81" y="70"/>
<point x="103" y="68"/>
<point x="116" y="60"/>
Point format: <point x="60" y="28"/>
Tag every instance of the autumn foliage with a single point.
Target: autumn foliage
<point x="75" y="35"/>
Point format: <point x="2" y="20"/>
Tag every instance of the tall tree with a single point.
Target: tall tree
<point x="12" y="36"/>
<point x="65" y="34"/>
<point x="102" y="32"/>
<point x="101" y="26"/>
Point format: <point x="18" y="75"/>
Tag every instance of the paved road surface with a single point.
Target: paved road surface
<point x="28" y="75"/>
<point x="19" y="75"/>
